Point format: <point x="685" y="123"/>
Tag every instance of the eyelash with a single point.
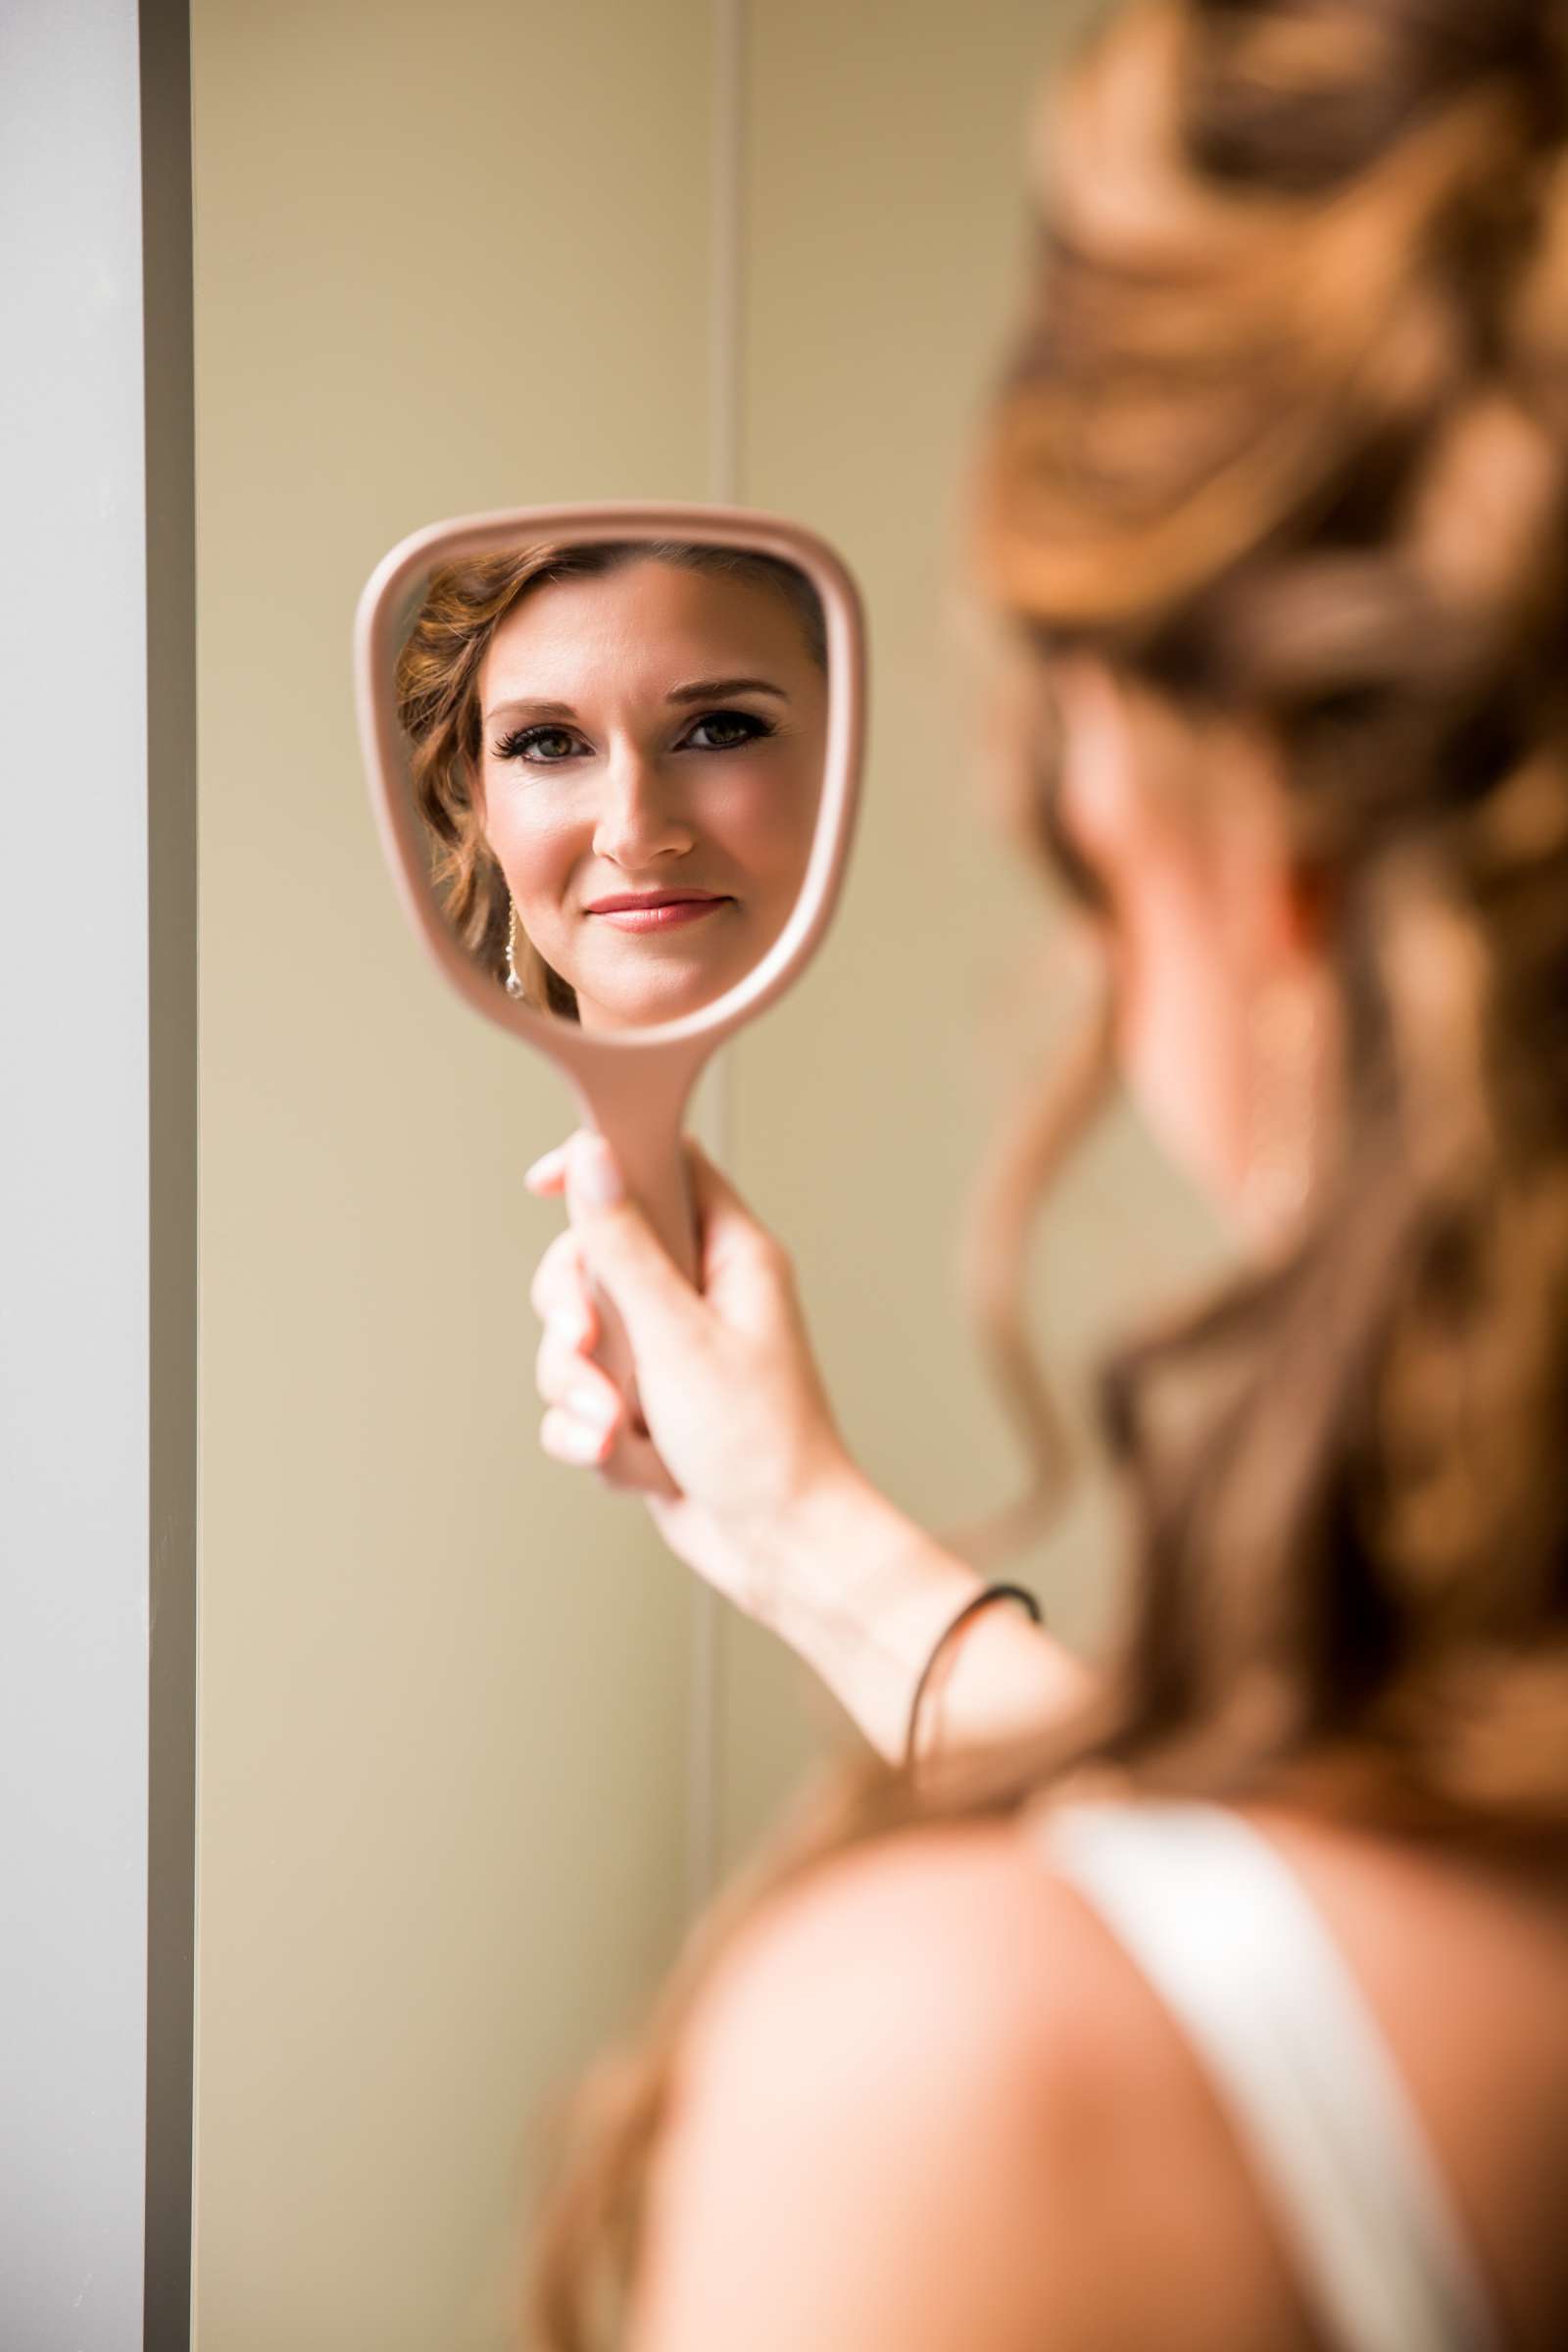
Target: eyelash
<point x="516" y="745"/>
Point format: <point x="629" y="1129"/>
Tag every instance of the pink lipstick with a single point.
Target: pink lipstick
<point x="656" y="910"/>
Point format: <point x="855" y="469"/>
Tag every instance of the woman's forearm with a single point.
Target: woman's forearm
<point x="867" y="1597"/>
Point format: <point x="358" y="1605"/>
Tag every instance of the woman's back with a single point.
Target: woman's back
<point x="1463" y="1970"/>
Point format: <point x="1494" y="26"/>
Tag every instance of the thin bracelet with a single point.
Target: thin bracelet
<point x="970" y="1608"/>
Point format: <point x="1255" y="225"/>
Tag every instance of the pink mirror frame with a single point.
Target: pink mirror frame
<point x="633" y="1088"/>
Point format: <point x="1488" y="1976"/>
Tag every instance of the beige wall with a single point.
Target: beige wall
<point x="444" y="262"/>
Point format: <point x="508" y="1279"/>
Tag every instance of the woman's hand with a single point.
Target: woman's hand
<point x="728" y="1390"/>
<point x="767" y="1504"/>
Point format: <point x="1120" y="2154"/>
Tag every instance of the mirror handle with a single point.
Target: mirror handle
<point x="642" y="1124"/>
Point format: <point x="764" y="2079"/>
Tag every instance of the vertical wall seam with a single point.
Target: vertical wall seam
<point x="727" y="248"/>
<point x="727" y="418"/>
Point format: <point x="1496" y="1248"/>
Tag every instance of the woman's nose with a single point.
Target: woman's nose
<point x="639" y="816"/>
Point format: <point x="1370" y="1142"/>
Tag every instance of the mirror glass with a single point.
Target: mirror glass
<point x="616" y="750"/>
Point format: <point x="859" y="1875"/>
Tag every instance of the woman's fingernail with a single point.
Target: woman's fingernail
<point x="545" y="1167"/>
<point x="591" y="1166"/>
<point x="590" y="1405"/>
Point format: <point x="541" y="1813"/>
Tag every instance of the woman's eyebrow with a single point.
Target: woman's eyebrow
<point x="703" y="690"/>
<point x="534" y="709"/>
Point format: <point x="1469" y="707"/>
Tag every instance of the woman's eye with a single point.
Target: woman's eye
<point x="723" y="730"/>
<point x="543" y="745"/>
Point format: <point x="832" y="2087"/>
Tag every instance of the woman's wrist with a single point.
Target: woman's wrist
<point x="863" y="1596"/>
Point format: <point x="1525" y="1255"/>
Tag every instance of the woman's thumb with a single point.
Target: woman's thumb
<point x="621" y="1250"/>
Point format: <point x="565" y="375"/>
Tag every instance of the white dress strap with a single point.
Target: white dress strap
<point x="1222" y="1929"/>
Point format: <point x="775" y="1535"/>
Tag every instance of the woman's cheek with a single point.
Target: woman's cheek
<point x="538" y="845"/>
<point x="764" y="823"/>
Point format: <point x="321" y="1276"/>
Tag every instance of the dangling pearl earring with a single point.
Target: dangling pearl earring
<point x="1286" y="1041"/>
<point x="514" y="986"/>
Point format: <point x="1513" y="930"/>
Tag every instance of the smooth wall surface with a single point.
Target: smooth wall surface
<point x="443" y="263"/>
<point x="446" y="262"/>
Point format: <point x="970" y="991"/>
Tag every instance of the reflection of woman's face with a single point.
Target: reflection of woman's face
<point x="652" y="765"/>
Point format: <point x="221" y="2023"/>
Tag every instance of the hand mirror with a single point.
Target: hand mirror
<point x="614" y="754"/>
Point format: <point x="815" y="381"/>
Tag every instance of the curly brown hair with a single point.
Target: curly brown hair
<point x="437" y="686"/>
<point x="1285" y="436"/>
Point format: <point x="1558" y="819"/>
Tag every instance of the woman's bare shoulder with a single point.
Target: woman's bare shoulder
<point x="958" y="1939"/>
<point x="924" y="2088"/>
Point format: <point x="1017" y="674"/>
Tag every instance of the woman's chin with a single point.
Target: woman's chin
<point x="668" y="994"/>
<point x="638" y="980"/>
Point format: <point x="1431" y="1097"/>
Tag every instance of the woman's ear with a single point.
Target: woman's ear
<point x="1101" y="800"/>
